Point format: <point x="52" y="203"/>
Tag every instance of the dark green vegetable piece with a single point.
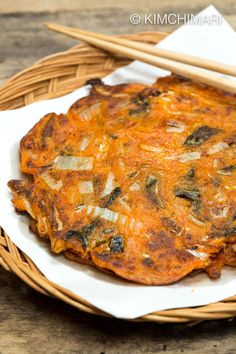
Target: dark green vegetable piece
<point x="116" y="244"/>
<point x="152" y="191"/>
<point x="109" y="199"/>
<point x="190" y="175"/>
<point x="142" y="108"/>
<point x="227" y="169"/>
<point x="200" y="135"/>
<point x="100" y="242"/>
<point x="142" y="100"/>
<point x="190" y="194"/>
<point x="82" y="234"/>
<point x="227" y="231"/>
<point x="149" y="92"/>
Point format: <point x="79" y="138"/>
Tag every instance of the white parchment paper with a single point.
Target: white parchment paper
<point x="117" y="297"/>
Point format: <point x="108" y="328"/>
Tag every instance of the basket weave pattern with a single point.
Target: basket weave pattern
<point x="54" y="76"/>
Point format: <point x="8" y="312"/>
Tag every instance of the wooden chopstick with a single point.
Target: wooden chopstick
<point x="164" y="53"/>
<point x="187" y="70"/>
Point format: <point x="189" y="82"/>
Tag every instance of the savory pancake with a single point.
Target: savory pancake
<point x="137" y="180"/>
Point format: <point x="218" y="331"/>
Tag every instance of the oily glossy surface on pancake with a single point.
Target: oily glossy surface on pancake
<point x="138" y="180"/>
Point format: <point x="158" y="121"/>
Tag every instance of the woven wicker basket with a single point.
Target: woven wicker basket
<point x="54" y="76"/>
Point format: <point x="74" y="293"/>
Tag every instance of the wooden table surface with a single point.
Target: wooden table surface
<point x="33" y="323"/>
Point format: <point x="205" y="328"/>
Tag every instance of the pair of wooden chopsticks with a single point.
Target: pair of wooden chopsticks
<point x="182" y="64"/>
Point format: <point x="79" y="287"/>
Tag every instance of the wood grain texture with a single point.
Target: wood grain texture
<point x="24" y="39"/>
<point x="9" y="6"/>
<point x="30" y="322"/>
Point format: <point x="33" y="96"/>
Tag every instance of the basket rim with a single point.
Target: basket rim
<point x="30" y="88"/>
